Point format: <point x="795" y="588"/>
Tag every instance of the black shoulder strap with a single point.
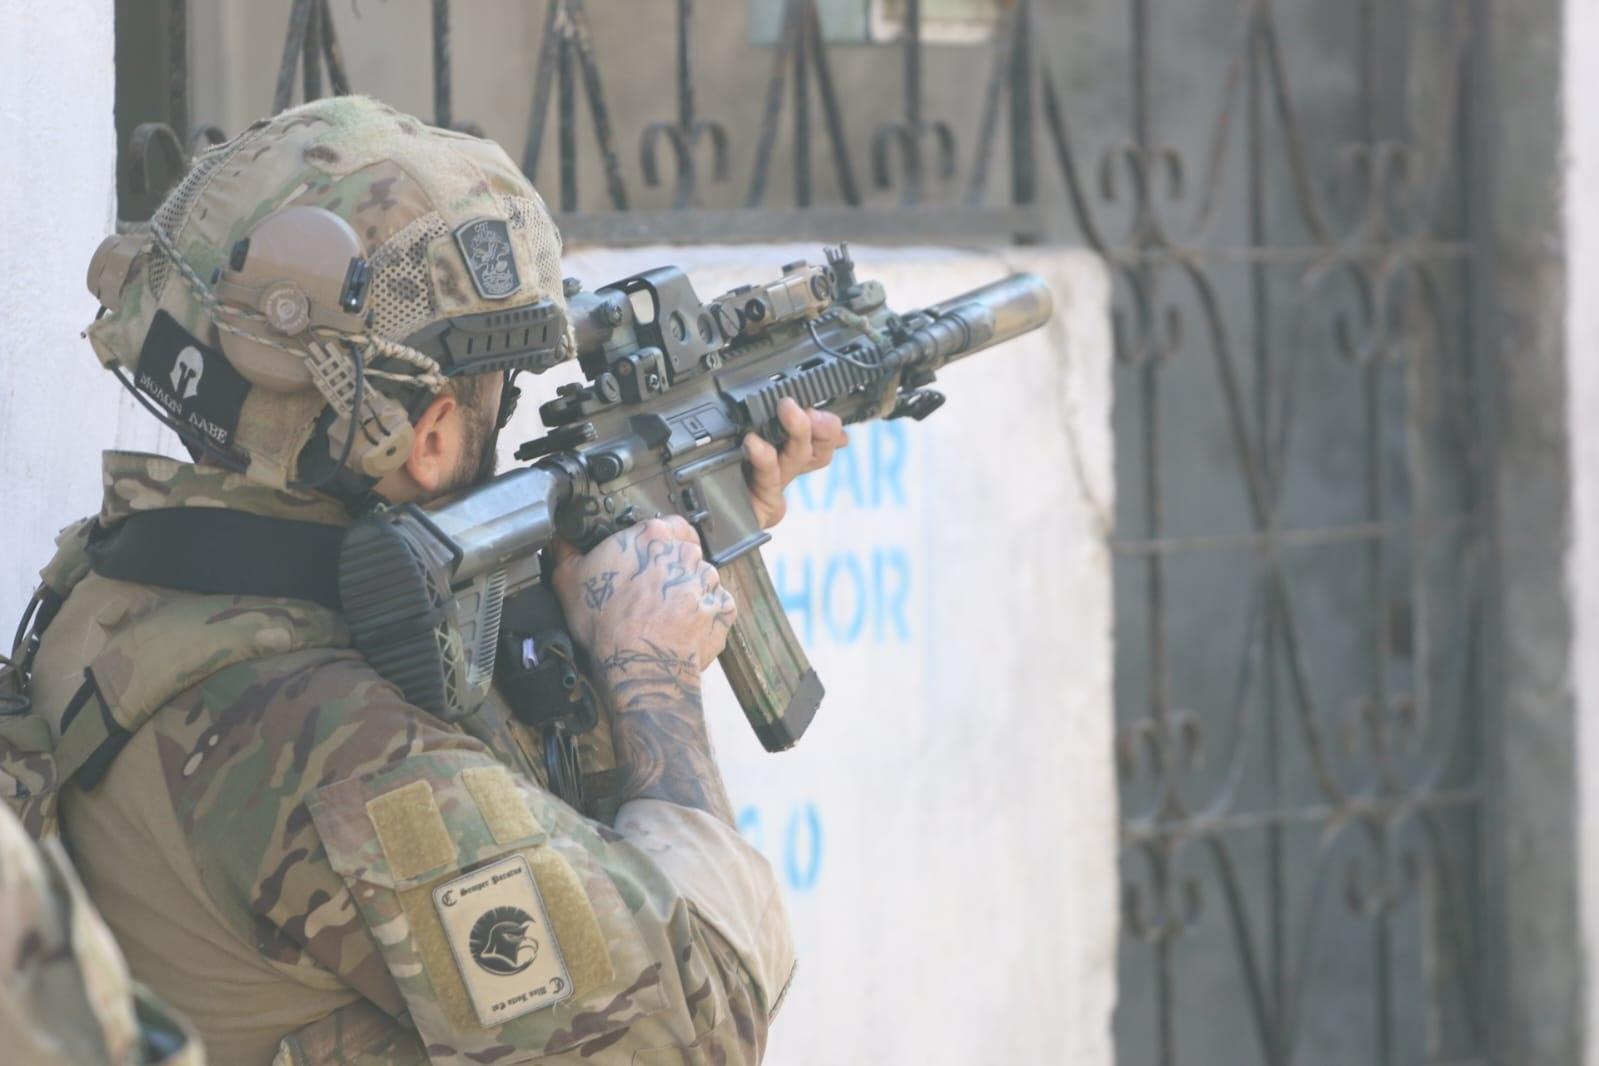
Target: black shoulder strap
<point x="216" y="551"/>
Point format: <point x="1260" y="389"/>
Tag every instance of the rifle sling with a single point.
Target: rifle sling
<point x="214" y="551"/>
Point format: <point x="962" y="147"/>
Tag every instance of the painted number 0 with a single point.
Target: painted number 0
<point x="802" y="842"/>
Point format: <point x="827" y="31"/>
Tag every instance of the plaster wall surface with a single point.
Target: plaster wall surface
<point x="1581" y="205"/>
<point x="58" y="409"/>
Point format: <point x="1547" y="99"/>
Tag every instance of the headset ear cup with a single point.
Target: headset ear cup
<point x="255" y="353"/>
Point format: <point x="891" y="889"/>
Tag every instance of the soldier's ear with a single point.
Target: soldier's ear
<point x="436" y="450"/>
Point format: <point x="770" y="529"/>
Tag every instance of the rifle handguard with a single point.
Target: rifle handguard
<point x="764" y="661"/>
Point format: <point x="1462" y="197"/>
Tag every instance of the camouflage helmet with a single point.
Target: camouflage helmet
<point x="337" y="257"/>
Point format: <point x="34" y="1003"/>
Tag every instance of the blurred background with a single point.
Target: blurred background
<point x="1322" y="268"/>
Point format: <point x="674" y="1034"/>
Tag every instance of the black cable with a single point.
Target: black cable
<point x="835" y="353"/>
<point x="349" y="438"/>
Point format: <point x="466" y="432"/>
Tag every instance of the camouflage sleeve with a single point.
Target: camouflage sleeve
<point x="65" y="994"/>
<point x="353" y="832"/>
<point x="725" y="880"/>
<point x="517" y="930"/>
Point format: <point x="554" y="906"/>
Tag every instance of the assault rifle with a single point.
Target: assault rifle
<point x="439" y="599"/>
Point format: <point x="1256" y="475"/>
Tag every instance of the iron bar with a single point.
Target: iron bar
<point x="1324" y="536"/>
<point x="1355" y="808"/>
<point x="566" y="105"/>
<point x="926" y="223"/>
<point x="178" y="72"/>
<point x="293" y="45"/>
<point x="685" y="136"/>
<point x="566" y="54"/>
<point x="1024" y="183"/>
<point x="332" y="54"/>
<point x="443" y="115"/>
<point x="311" y="58"/>
<point x="801" y="46"/>
<point x="543" y="82"/>
<point x="1276" y="1047"/>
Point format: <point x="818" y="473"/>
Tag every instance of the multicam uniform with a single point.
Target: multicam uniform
<point x="278" y="841"/>
<point x="65" y="995"/>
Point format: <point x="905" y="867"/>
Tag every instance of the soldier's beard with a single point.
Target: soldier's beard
<point x="480" y="440"/>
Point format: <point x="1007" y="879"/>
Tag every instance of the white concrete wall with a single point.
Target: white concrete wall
<point x="1582" y="369"/>
<point x="58" y="409"/>
<point x="946" y="831"/>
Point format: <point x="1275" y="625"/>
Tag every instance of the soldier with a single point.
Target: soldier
<point x="65" y="995"/>
<point x="306" y="865"/>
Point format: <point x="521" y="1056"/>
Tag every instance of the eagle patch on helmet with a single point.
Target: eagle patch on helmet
<point x="485" y="244"/>
<point x="500" y="935"/>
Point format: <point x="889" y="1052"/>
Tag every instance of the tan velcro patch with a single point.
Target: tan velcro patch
<point x="501" y="803"/>
<point x="411" y="830"/>
<point x="427" y="936"/>
<point x="572" y="917"/>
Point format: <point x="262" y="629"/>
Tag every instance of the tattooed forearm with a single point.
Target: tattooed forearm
<point x="658" y="723"/>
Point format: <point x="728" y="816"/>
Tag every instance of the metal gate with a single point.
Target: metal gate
<point x="1302" y="548"/>
<point x="1283" y="189"/>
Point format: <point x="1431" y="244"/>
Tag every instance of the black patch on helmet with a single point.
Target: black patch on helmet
<point x="192" y="381"/>
<point x="485" y="244"/>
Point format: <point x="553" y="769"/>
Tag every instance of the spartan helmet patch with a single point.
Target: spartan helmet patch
<point x="502" y="941"/>
<point x="193" y="382"/>
<point x="500" y="936"/>
<point x="187" y="370"/>
<point x="485" y="244"/>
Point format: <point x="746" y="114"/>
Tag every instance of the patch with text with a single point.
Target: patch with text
<point x="500" y="935"/>
<point x="194" y="383"/>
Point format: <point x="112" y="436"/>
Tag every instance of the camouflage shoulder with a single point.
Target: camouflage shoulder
<point x="135" y="482"/>
<point x="514" y="926"/>
<point x="243" y="752"/>
<point x="357" y="1035"/>
<point x="70" y="563"/>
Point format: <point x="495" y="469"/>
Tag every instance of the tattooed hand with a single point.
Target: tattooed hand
<point x="650" y="582"/>
<point x="652" y="614"/>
